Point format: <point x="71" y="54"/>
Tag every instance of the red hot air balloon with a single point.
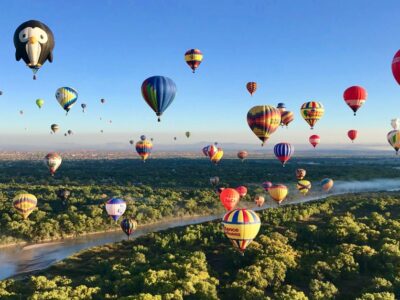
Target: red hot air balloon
<point x="396" y="66"/>
<point x="352" y="134"/>
<point x="242" y="190"/>
<point x="314" y="140"/>
<point x="229" y="198"/>
<point x="251" y="87"/>
<point x="355" y="96"/>
<point x="242" y="155"/>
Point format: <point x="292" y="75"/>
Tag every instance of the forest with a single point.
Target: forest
<point x="345" y="247"/>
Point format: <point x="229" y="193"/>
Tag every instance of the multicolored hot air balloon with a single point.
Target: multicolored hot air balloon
<point x="193" y="58"/>
<point x="242" y="190"/>
<point x="214" y="180"/>
<point x="393" y="138"/>
<point x="314" y="140"/>
<point x="263" y="120"/>
<point x="355" y="97"/>
<point x="300" y="173"/>
<point x="251" y="87"/>
<point x="281" y="107"/>
<point x="39" y="103"/>
<point x="128" y="226"/>
<point x="83" y="105"/>
<point x="283" y="152"/>
<point x="143" y="148"/>
<point x="241" y="227"/>
<point x="242" y="155"/>
<point x="158" y="92"/>
<point x="187" y="133"/>
<point x="53" y="162"/>
<point x="34" y="44"/>
<point x="396" y="66"/>
<point x="286" y="118"/>
<point x="278" y="192"/>
<point x="395" y="123"/>
<point x="259" y="200"/>
<point x="214" y="154"/>
<point x="352" y="134"/>
<point x="66" y="97"/>
<point x="266" y="185"/>
<point x="115" y="208"/>
<point x="326" y="184"/>
<point x="25" y="204"/>
<point x="229" y="198"/>
<point x="54" y="127"/>
<point x="215" y="159"/>
<point x="311" y="112"/>
<point x="303" y="186"/>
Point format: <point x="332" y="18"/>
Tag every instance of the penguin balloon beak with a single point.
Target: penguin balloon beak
<point x="32" y="40"/>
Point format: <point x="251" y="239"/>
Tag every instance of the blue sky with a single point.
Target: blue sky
<point x="297" y="51"/>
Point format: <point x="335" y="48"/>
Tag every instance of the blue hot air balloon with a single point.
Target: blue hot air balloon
<point x="283" y="152"/>
<point x="115" y="208"/>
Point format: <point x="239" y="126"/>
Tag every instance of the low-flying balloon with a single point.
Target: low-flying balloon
<point x="312" y="112"/>
<point x="143" y="148"/>
<point x="214" y="180"/>
<point x="393" y="138"/>
<point x="128" y="226"/>
<point x="263" y="120"/>
<point x="251" y="87"/>
<point x="66" y="97"/>
<point x="355" y="97"/>
<point x="266" y="185"/>
<point x="242" y="155"/>
<point x="193" y="58"/>
<point x="242" y="190"/>
<point x="326" y="184"/>
<point x="53" y="162"/>
<point x="219" y="189"/>
<point x="39" y="103"/>
<point x="314" y="140"/>
<point x="229" y="198"/>
<point x="283" y="152"/>
<point x="63" y="195"/>
<point x="300" y="173"/>
<point x="115" y="208"/>
<point x="278" y="192"/>
<point x="25" y="204"/>
<point x="303" y="186"/>
<point x="352" y="134"/>
<point x="259" y="200"/>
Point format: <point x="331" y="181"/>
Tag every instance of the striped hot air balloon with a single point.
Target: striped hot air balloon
<point x="314" y="140"/>
<point x="281" y="107"/>
<point x="355" y="97"/>
<point x="311" y="112"/>
<point x="303" y="186"/>
<point x="327" y="184"/>
<point x="241" y="227"/>
<point x="53" y="162"/>
<point x="278" y="192"/>
<point x="283" y="152"/>
<point x="66" y="97"/>
<point x="251" y="87"/>
<point x="286" y="118"/>
<point x="393" y="138"/>
<point x="158" y="92"/>
<point x="263" y="120"/>
<point x="25" y="204"/>
<point x="143" y="148"/>
<point x="193" y="58"/>
<point x="128" y="226"/>
<point x="115" y="208"/>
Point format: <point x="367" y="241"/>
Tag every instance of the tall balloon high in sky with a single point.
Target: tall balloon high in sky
<point x="327" y="184"/>
<point x="53" y="162"/>
<point x="251" y="87"/>
<point x="193" y="58"/>
<point x="355" y="97"/>
<point x="312" y="112"/>
<point x="54" y="128"/>
<point x="158" y="92"/>
<point x="39" y="103"/>
<point x="25" y="204"/>
<point x="263" y="120"/>
<point x="34" y="44"/>
<point x="66" y="97"/>
<point x="283" y="152"/>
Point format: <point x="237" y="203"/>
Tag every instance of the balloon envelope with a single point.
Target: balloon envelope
<point x="251" y="87"/>
<point x="352" y="134"/>
<point x="193" y="58"/>
<point x="242" y="190"/>
<point x="314" y="140"/>
<point x="393" y="138"/>
<point x="300" y="173"/>
<point x="53" y="161"/>
<point x="303" y="186"/>
<point x="128" y="226"/>
<point x="278" y="192"/>
<point x="229" y="198"/>
<point x="25" y="204"/>
<point x="312" y="112"/>
<point x="283" y="152"/>
<point x="263" y="120"/>
<point x="115" y="208"/>
<point x="355" y="97"/>
<point x="39" y="102"/>
<point x="259" y="200"/>
<point x="143" y="148"/>
<point x="327" y="184"/>
<point x="66" y="97"/>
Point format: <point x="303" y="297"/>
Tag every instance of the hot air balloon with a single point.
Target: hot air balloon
<point x="395" y="123"/>
<point x="193" y="58"/>
<point x="128" y="226"/>
<point x="83" y="105"/>
<point x="205" y="151"/>
<point x="393" y="138"/>
<point x="187" y="133"/>
<point x="65" y="134"/>
<point x="131" y="142"/>
<point x="314" y="140"/>
<point x="303" y="186"/>
<point x="174" y="138"/>
<point x="259" y="200"/>
<point x="69" y="132"/>
<point x="54" y="127"/>
<point x="251" y="87"/>
<point x="219" y="189"/>
<point x="34" y="43"/>
<point x="266" y="185"/>
<point x="286" y="118"/>
<point x="25" y="204"/>
<point x="63" y="195"/>
<point x="241" y="227"/>
<point x="103" y="101"/>
<point x="242" y="190"/>
<point x="326" y="184"/>
<point x="352" y="134"/>
<point x="158" y="92"/>
<point x="53" y="162"/>
<point x="214" y="180"/>
<point x="39" y="103"/>
<point x="1" y="93"/>
<point x="312" y="112"/>
<point x="66" y="97"/>
<point x="115" y="208"/>
<point x="263" y="121"/>
<point x="278" y="192"/>
<point x="242" y="155"/>
<point x="396" y="66"/>
<point x="100" y="131"/>
<point x="21" y="112"/>
<point x="283" y="152"/>
<point x="300" y="173"/>
<point x="355" y="97"/>
<point x="281" y="107"/>
<point x="152" y="139"/>
<point x="217" y="156"/>
<point x="143" y="148"/>
<point x="142" y="137"/>
<point x="229" y="198"/>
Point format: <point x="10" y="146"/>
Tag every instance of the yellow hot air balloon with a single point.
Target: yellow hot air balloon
<point x="303" y="186"/>
<point x="217" y="156"/>
<point x="278" y="192"/>
<point x="241" y="226"/>
<point x="264" y="120"/>
<point x="25" y="204"/>
<point x="311" y="112"/>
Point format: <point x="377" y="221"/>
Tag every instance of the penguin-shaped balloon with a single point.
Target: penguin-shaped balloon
<point x="34" y="43"/>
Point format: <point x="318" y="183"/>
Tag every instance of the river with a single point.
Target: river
<point x="17" y="260"/>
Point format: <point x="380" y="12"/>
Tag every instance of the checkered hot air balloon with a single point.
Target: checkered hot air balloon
<point x="193" y="58"/>
<point x="115" y="208"/>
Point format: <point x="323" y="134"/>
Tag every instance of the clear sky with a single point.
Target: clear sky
<point x="297" y="51"/>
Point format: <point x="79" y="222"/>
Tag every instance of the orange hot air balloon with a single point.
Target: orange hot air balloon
<point x="229" y="198"/>
<point x="242" y="190"/>
<point x="352" y="134"/>
<point x="278" y="192"/>
<point x="259" y="200"/>
<point x="251" y="87"/>
<point x="355" y="97"/>
<point x="263" y="120"/>
<point x="314" y="140"/>
<point x="242" y="155"/>
<point x="286" y="118"/>
<point x="396" y="66"/>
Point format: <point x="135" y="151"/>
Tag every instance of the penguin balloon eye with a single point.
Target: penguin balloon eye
<point x="24" y="34"/>
<point x="41" y="35"/>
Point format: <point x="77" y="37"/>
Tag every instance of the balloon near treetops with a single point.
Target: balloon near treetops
<point x="25" y="204"/>
<point x="263" y="120"/>
<point x="266" y="185"/>
<point x="303" y="186"/>
<point x="128" y="226"/>
<point x="229" y="198"/>
<point x="242" y="190"/>
<point x="300" y="173"/>
<point x="193" y="58"/>
<point x="242" y="155"/>
<point x="115" y="208"/>
<point x="312" y="112"/>
<point x="278" y="192"/>
<point x="214" y="180"/>
<point x="53" y="162"/>
<point x="327" y="184"/>
<point x="259" y="200"/>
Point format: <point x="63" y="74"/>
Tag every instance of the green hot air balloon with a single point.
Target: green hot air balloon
<point x="39" y="102"/>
